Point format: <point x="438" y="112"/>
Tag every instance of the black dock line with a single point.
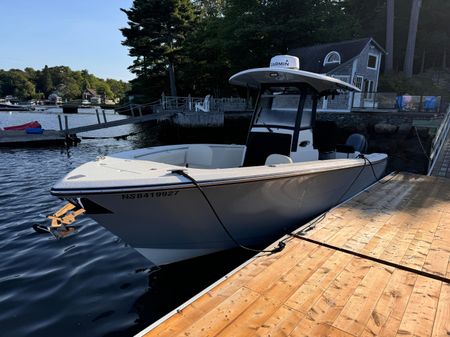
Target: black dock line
<point x="373" y="259"/>
<point x="278" y="249"/>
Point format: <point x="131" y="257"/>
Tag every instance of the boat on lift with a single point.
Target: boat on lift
<point x="177" y="202"/>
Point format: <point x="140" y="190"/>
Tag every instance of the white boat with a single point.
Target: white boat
<point x="177" y="202"/>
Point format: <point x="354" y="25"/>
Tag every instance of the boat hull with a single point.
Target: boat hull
<point x="172" y="223"/>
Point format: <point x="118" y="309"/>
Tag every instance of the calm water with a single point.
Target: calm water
<point x="92" y="283"/>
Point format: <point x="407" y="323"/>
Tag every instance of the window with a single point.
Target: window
<point x="331" y="58"/>
<point x="358" y="82"/>
<point x="307" y="115"/>
<point x="278" y="106"/>
<point x="372" y="62"/>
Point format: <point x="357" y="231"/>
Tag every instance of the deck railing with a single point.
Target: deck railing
<point x="391" y="100"/>
<point x="204" y="104"/>
<point x="439" y="140"/>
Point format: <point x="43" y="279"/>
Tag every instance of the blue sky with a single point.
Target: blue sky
<point x="81" y="34"/>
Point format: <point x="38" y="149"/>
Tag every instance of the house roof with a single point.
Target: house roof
<point x="90" y="91"/>
<point x="311" y="58"/>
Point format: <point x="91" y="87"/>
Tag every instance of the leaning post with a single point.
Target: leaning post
<point x="104" y="115"/>
<point x="60" y="123"/>
<point x="66" y="124"/>
<point x="98" y="116"/>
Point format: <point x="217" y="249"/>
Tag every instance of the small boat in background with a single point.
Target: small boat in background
<point x="14" y="107"/>
<point x="30" y="125"/>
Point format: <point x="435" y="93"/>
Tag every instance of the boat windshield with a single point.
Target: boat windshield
<point x="278" y="106"/>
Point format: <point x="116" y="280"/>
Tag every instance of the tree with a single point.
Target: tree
<point x="156" y="34"/>
<point x="45" y="82"/>
<point x="69" y="84"/>
<point x="433" y="35"/>
<point x="16" y="83"/>
<point x="411" y="45"/>
<point x="118" y="88"/>
<point x="390" y="8"/>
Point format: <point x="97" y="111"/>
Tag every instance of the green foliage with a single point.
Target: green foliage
<point x="228" y="36"/>
<point x="156" y="35"/>
<point x="224" y="37"/>
<point x="431" y="82"/>
<point x="16" y="83"/>
<point x="67" y="83"/>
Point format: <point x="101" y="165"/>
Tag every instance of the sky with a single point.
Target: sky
<point x="80" y="34"/>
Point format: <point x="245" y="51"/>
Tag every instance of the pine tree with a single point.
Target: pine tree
<point x="157" y="29"/>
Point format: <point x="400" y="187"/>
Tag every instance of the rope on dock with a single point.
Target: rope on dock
<point x="372" y="258"/>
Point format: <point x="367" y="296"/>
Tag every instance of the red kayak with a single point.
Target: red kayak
<point x="31" y="125"/>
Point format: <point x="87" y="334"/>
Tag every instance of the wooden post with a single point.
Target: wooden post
<point x="60" y="123"/>
<point x="98" y="116"/>
<point x="66" y="123"/>
<point x="104" y="115"/>
<point x="140" y="111"/>
<point x="131" y="109"/>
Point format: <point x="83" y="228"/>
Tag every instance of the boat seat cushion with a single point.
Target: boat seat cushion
<point x="276" y="158"/>
<point x="199" y="156"/>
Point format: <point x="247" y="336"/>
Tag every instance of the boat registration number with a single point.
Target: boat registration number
<point x="147" y="195"/>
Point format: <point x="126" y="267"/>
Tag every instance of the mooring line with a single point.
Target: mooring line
<point x="373" y="259"/>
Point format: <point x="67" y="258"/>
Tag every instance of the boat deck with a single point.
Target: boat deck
<point x="377" y="265"/>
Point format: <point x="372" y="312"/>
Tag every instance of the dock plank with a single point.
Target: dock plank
<point x="418" y="318"/>
<point x="386" y="317"/>
<point x="314" y="290"/>
<point x="442" y="321"/>
<point x="360" y="306"/>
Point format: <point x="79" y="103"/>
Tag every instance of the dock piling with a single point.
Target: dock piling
<point x="60" y="123"/>
<point x="104" y="115"/>
<point x="66" y="124"/>
<point x="98" y="116"/>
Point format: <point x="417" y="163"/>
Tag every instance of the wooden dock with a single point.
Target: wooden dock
<point x="377" y="265"/>
<point x="21" y="138"/>
<point x="103" y="123"/>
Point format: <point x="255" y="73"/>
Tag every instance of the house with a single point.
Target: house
<point x="54" y="98"/>
<point x="356" y="61"/>
<point x="91" y="96"/>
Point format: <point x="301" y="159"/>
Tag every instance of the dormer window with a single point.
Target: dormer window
<point x="332" y="58"/>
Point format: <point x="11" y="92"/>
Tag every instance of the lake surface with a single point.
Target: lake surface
<point x="92" y="283"/>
